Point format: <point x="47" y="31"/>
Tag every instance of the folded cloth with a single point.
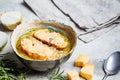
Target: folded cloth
<point x="88" y="14"/>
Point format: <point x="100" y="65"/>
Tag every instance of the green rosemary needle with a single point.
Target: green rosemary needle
<point x="8" y="72"/>
<point x="58" y="75"/>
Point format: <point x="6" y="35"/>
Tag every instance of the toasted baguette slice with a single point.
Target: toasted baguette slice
<point x="36" y="49"/>
<point x="51" y="38"/>
<point x="11" y="19"/>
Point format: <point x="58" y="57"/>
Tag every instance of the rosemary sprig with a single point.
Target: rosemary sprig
<point x="9" y="72"/>
<point x="4" y="75"/>
<point x="4" y="72"/>
<point x="58" y="75"/>
<point x="22" y="76"/>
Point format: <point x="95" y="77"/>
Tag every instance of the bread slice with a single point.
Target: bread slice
<point x="36" y="49"/>
<point x="11" y="19"/>
<point x="51" y="38"/>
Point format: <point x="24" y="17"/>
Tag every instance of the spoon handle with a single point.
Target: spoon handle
<point x="104" y="78"/>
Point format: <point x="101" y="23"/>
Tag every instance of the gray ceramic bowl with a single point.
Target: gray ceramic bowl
<point x="40" y="65"/>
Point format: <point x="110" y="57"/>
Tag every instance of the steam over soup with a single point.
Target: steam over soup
<point x="43" y="44"/>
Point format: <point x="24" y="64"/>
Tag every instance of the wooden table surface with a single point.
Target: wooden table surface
<point x="98" y="49"/>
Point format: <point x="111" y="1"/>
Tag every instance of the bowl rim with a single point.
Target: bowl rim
<point x="50" y="21"/>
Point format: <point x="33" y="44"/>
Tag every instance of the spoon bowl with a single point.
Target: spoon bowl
<point x="111" y="65"/>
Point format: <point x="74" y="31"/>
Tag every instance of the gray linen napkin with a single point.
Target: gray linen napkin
<point x="88" y="14"/>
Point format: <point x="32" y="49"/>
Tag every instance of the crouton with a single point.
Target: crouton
<point x="82" y="60"/>
<point x="73" y="75"/>
<point x="87" y="71"/>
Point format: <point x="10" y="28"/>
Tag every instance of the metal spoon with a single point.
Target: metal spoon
<point x="111" y="65"/>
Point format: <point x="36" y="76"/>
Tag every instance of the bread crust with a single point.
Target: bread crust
<point x="36" y="49"/>
<point x="10" y="14"/>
